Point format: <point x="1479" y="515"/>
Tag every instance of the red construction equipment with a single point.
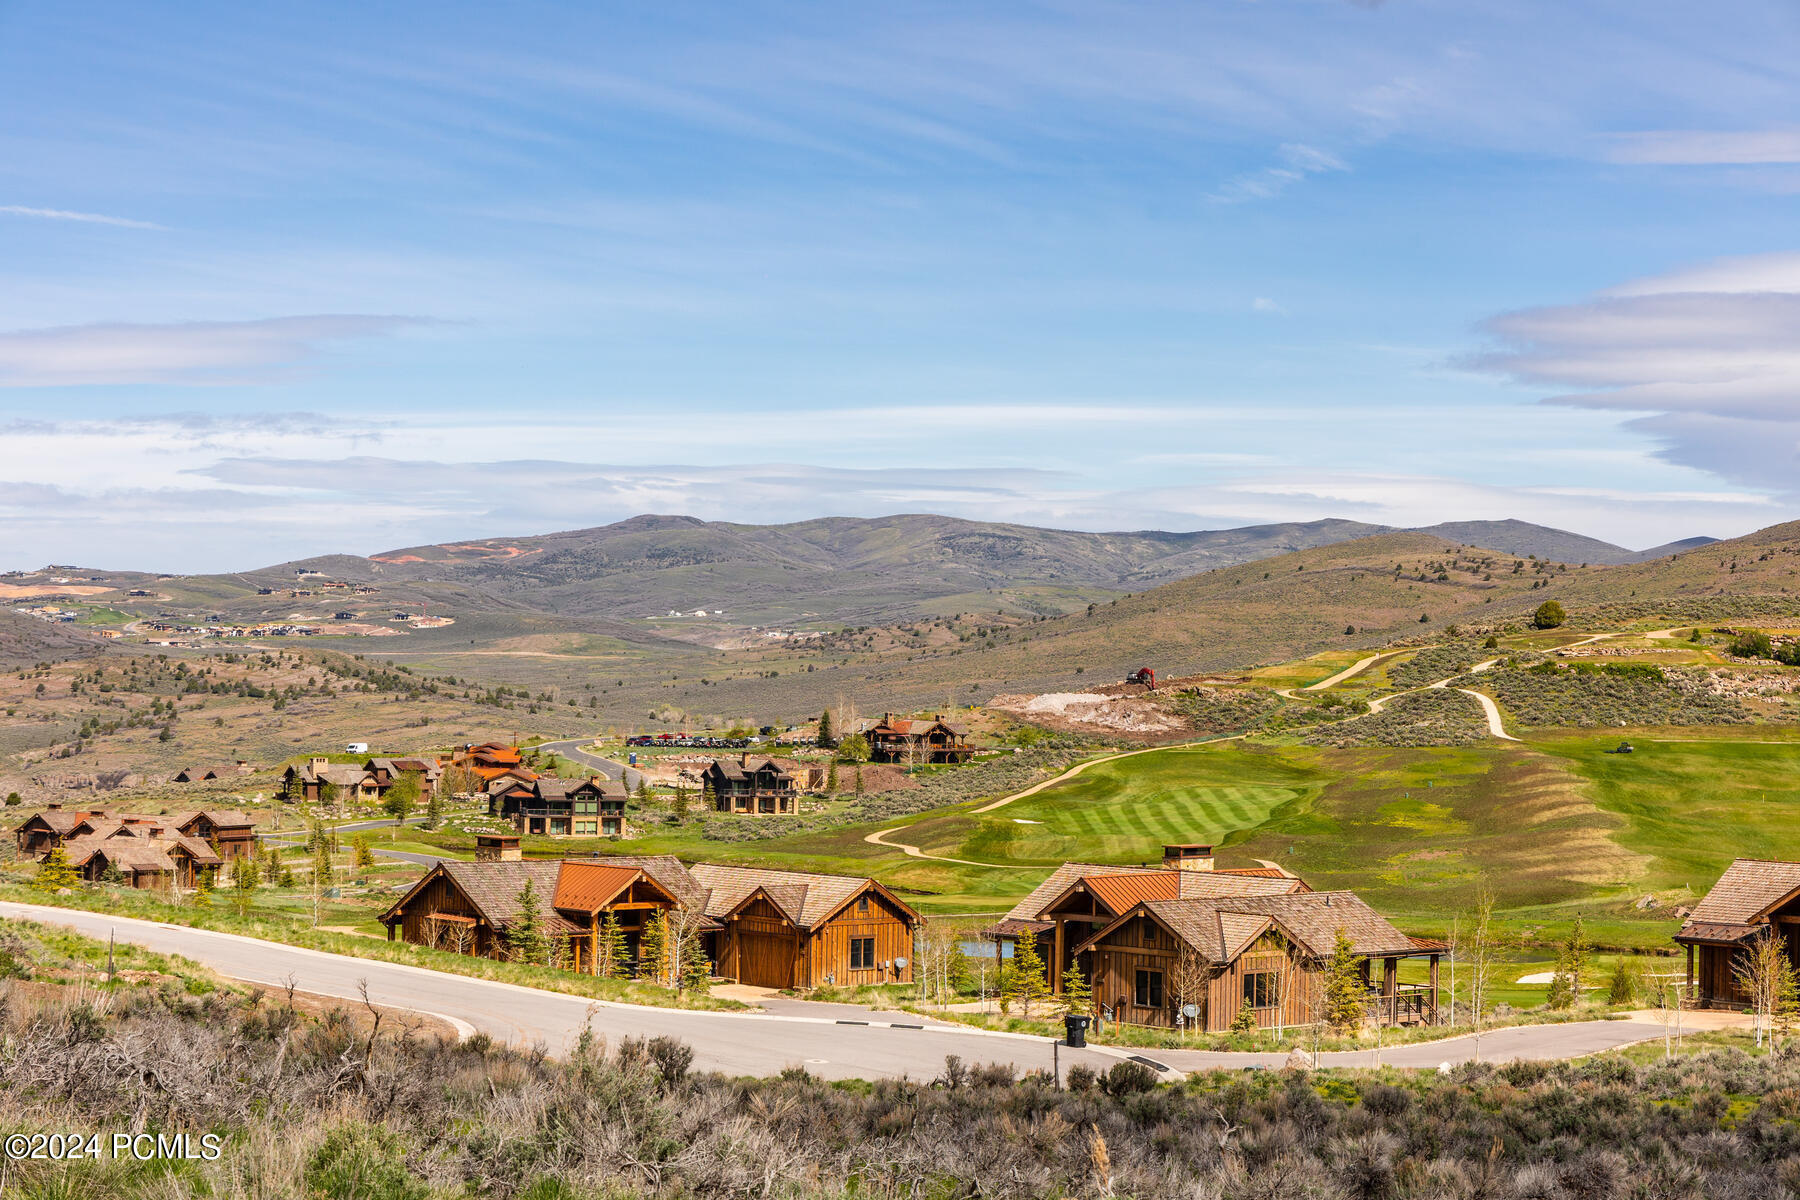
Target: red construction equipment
<point x="1143" y="675"/>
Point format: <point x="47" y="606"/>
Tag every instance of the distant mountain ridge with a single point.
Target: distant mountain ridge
<point x="875" y="569"/>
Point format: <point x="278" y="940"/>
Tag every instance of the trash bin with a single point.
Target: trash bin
<point x="1075" y="1030"/>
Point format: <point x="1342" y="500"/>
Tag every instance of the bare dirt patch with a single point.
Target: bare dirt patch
<point x="1086" y="712"/>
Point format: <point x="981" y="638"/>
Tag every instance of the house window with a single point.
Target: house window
<point x="1149" y="989"/>
<point x="862" y="954"/>
<point x="862" y="905"/>
<point x="1259" y="989"/>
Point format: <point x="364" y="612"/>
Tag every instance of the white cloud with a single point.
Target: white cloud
<point x="1297" y="162"/>
<point x="1700" y="147"/>
<point x="61" y="214"/>
<point x="198" y="352"/>
<point x="1708" y="356"/>
<point x="1263" y="304"/>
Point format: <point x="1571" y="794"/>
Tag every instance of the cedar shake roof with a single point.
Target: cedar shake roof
<point x="1747" y="890"/>
<point x="746" y="766"/>
<point x="494" y="887"/>
<point x="56" y="820"/>
<point x="589" y="886"/>
<point x="808" y="898"/>
<point x="1717" y="932"/>
<point x="1214" y="927"/>
<point x="224" y="818"/>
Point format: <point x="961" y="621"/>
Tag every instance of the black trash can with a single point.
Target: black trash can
<point x="1075" y="1030"/>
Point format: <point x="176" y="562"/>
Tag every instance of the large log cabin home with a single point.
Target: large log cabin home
<point x="751" y="785"/>
<point x="146" y="852"/>
<point x="226" y="832"/>
<point x="916" y="741"/>
<point x="551" y="807"/>
<point x="775" y="929"/>
<point x="367" y="782"/>
<point x="1754" y="898"/>
<point x="1189" y="941"/>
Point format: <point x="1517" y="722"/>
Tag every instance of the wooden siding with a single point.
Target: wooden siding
<point x="1142" y="945"/>
<point x="830" y="944"/>
<point x="440" y="895"/>
<point x="761" y="947"/>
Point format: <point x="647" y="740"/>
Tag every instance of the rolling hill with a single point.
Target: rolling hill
<point x="860" y="571"/>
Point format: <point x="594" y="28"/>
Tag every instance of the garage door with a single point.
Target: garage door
<point x="765" y="959"/>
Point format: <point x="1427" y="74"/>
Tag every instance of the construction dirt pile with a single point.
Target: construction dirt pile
<point x="1090" y="712"/>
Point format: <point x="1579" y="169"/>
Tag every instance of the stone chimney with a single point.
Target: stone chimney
<point x="1188" y="856"/>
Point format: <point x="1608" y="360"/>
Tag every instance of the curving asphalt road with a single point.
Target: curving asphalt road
<point x="574" y="750"/>
<point x="840" y="1042"/>
<point x="290" y="838"/>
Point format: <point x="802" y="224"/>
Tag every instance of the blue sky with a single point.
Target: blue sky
<point x="351" y="277"/>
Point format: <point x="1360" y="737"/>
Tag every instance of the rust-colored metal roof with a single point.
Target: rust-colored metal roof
<point x="589" y="886"/>
<point x="1120" y="892"/>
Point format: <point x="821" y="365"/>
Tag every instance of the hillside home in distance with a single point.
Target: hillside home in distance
<point x="308" y="782"/>
<point x="917" y="741"/>
<point x="1754" y="898"/>
<point x="487" y="761"/>
<point x="550" y="807"/>
<point x="751" y="785"/>
<point x="230" y="832"/>
<point x="209" y="773"/>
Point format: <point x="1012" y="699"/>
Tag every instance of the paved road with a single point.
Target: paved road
<point x="574" y="749"/>
<point x="892" y="1044"/>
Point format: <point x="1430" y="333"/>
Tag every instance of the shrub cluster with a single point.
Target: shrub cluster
<point x="1435" y="717"/>
<point x="1437" y="662"/>
<point x="975" y="781"/>
<point x="323" y="1110"/>
<point x="1585" y="695"/>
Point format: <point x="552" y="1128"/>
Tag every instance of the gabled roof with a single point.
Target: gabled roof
<point x="494" y="887"/>
<point x="1745" y="893"/>
<point x="590" y="886"/>
<point x="224" y="818"/>
<point x="1060" y="880"/>
<point x="56" y="820"/>
<point x="810" y="899"/>
<point x="1220" y="928"/>
<point x="747" y="765"/>
<point x="1118" y="888"/>
<point x="670" y="873"/>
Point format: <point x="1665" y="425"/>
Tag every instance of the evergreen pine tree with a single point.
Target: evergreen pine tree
<point x="434" y="809"/>
<point x="272" y="869"/>
<point x="859" y="779"/>
<point x="364" y="856"/>
<point x="203" y="884"/>
<point x="55" y="872"/>
<point x="1571" y="961"/>
<point x="1028" y="966"/>
<point x="525" y="937"/>
<point x="831" y="779"/>
<point x="653" y="950"/>
<point x="696" y="971"/>
<point x="1787" y="998"/>
<point x="1077" y="997"/>
<point x="243" y="883"/>
<point x="827" y="737"/>
<point x="1344" y="1001"/>
<point x="111" y="875"/>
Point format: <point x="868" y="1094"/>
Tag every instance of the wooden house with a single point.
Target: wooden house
<point x="1064" y="908"/>
<point x="788" y="929"/>
<point x="916" y="741"/>
<point x="309" y="782"/>
<point x="46" y="830"/>
<point x="230" y="832"/>
<point x="751" y="785"/>
<point x="1754" y="898"/>
<point x="147" y="855"/>
<point x="487" y="761"/>
<point x="389" y="771"/>
<point x="1205" y="960"/>
<point x="552" y="807"/>
<point x="469" y="907"/>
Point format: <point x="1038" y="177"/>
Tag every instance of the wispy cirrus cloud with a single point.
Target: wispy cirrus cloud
<point x="197" y="352"/>
<point x="1709" y="356"/>
<point x="86" y="218"/>
<point x="1297" y="161"/>
<point x="1705" y="147"/>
